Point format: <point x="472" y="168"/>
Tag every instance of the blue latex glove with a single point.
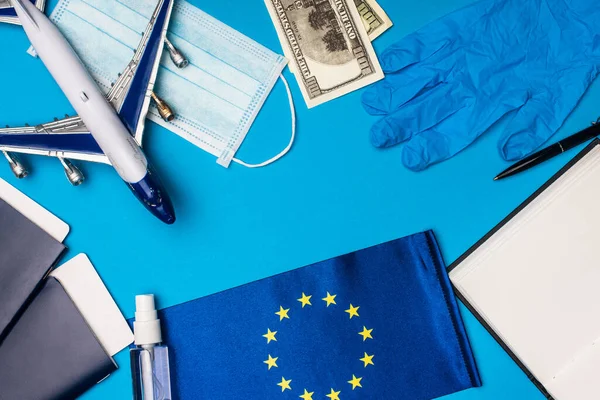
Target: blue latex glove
<point x="452" y="80"/>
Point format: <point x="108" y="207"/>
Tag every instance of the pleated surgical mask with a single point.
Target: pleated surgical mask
<point x="215" y="98"/>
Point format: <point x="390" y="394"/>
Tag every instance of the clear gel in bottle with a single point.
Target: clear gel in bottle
<point x="149" y="359"/>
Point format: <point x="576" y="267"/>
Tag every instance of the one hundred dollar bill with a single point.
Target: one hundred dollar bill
<point x="374" y="18"/>
<point x="328" y="47"/>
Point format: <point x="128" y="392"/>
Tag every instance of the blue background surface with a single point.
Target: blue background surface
<point x="334" y="193"/>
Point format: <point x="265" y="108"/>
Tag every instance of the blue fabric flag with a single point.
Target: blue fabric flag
<point x="380" y="323"/>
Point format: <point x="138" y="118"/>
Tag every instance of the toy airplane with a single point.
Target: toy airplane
<point x="108" y="129"/>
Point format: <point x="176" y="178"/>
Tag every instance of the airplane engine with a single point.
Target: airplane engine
<point x="163" y="107"/>
<point x="176" y="56"/>
<point x="16" y="165"/>
<point x="74" y="174"/>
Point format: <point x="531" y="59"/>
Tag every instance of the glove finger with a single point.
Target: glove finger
<point x="429" y="40"/>
<point x="527" y="130"/>
<point x="540" y="118"/>
<point x="396" y="90"/>
<point x="418" y="115"/>
<point x="453" y="134"/>
<point x="544" y="113"/>
<point x="409" y="51"/>
<point x="437" y="143"/>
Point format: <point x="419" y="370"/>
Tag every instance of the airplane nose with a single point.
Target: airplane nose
<point x="165" y="212"/>
<point x="153" y="196"/>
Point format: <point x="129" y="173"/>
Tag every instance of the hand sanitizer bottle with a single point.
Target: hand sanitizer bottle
<point x="149" y="359"/>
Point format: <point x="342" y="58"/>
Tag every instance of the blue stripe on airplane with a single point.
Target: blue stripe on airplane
<point x="68" y="142"/>
<point x="7" y="12"/>
<point x="10" y="12"/>
<point x="132" y="105"/>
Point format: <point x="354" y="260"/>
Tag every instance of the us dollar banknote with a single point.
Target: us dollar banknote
<point x="374" y="18"/>
<point x="328" y="47"/>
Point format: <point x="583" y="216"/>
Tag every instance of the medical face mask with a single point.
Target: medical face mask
<point x="215" y="98"/>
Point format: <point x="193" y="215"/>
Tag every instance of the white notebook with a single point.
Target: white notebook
<point x="534" y="281"/>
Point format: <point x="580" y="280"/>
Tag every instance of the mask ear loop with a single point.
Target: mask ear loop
<point x="289" y="146"/>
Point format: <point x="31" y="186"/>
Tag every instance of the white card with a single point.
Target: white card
<point x="82" y="283"/>
<point x="33" y="211"/>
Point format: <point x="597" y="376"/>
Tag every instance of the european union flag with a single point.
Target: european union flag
<point x="380" y="323"/>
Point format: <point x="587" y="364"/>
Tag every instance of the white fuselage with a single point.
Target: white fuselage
<point x="83" y="93"/>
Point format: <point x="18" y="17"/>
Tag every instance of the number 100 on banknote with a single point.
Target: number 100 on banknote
<point x="328" y="47"/>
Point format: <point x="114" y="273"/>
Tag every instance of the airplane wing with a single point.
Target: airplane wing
<point x="130" y="95"/>
<point x="8" y="14"/>
<point x="66" y="138"/>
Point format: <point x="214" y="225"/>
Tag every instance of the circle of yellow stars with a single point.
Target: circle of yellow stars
<point x="329" y="300"/>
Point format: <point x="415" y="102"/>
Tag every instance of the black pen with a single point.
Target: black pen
<point x="552" y="151"/>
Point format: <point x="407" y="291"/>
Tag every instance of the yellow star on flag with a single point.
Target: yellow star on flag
<point x="305" y="300"/>
<point x="367" y="359"/>
<point x="307" y="395"/>
<point x="353" y="311"/>
<point x="366" y="333"/>
<point x="272" y="362"/>
<point x="285" y="384"/>
<point x="270" y="336"/>
<point x="334" y="395"/>
<point x="283" y="313"/>
<point x="355" y="382"/>
<point x="330" y="299"/>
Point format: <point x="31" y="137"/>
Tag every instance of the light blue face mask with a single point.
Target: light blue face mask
<point x="215" y="98"/>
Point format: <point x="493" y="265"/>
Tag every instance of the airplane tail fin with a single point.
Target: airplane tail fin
<point x="8" y="14"/>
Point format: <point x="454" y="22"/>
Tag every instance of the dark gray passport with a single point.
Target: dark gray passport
<point x="50" y="352"/>
<point x="47" y="349"/>
<point x="27" y="253"/>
